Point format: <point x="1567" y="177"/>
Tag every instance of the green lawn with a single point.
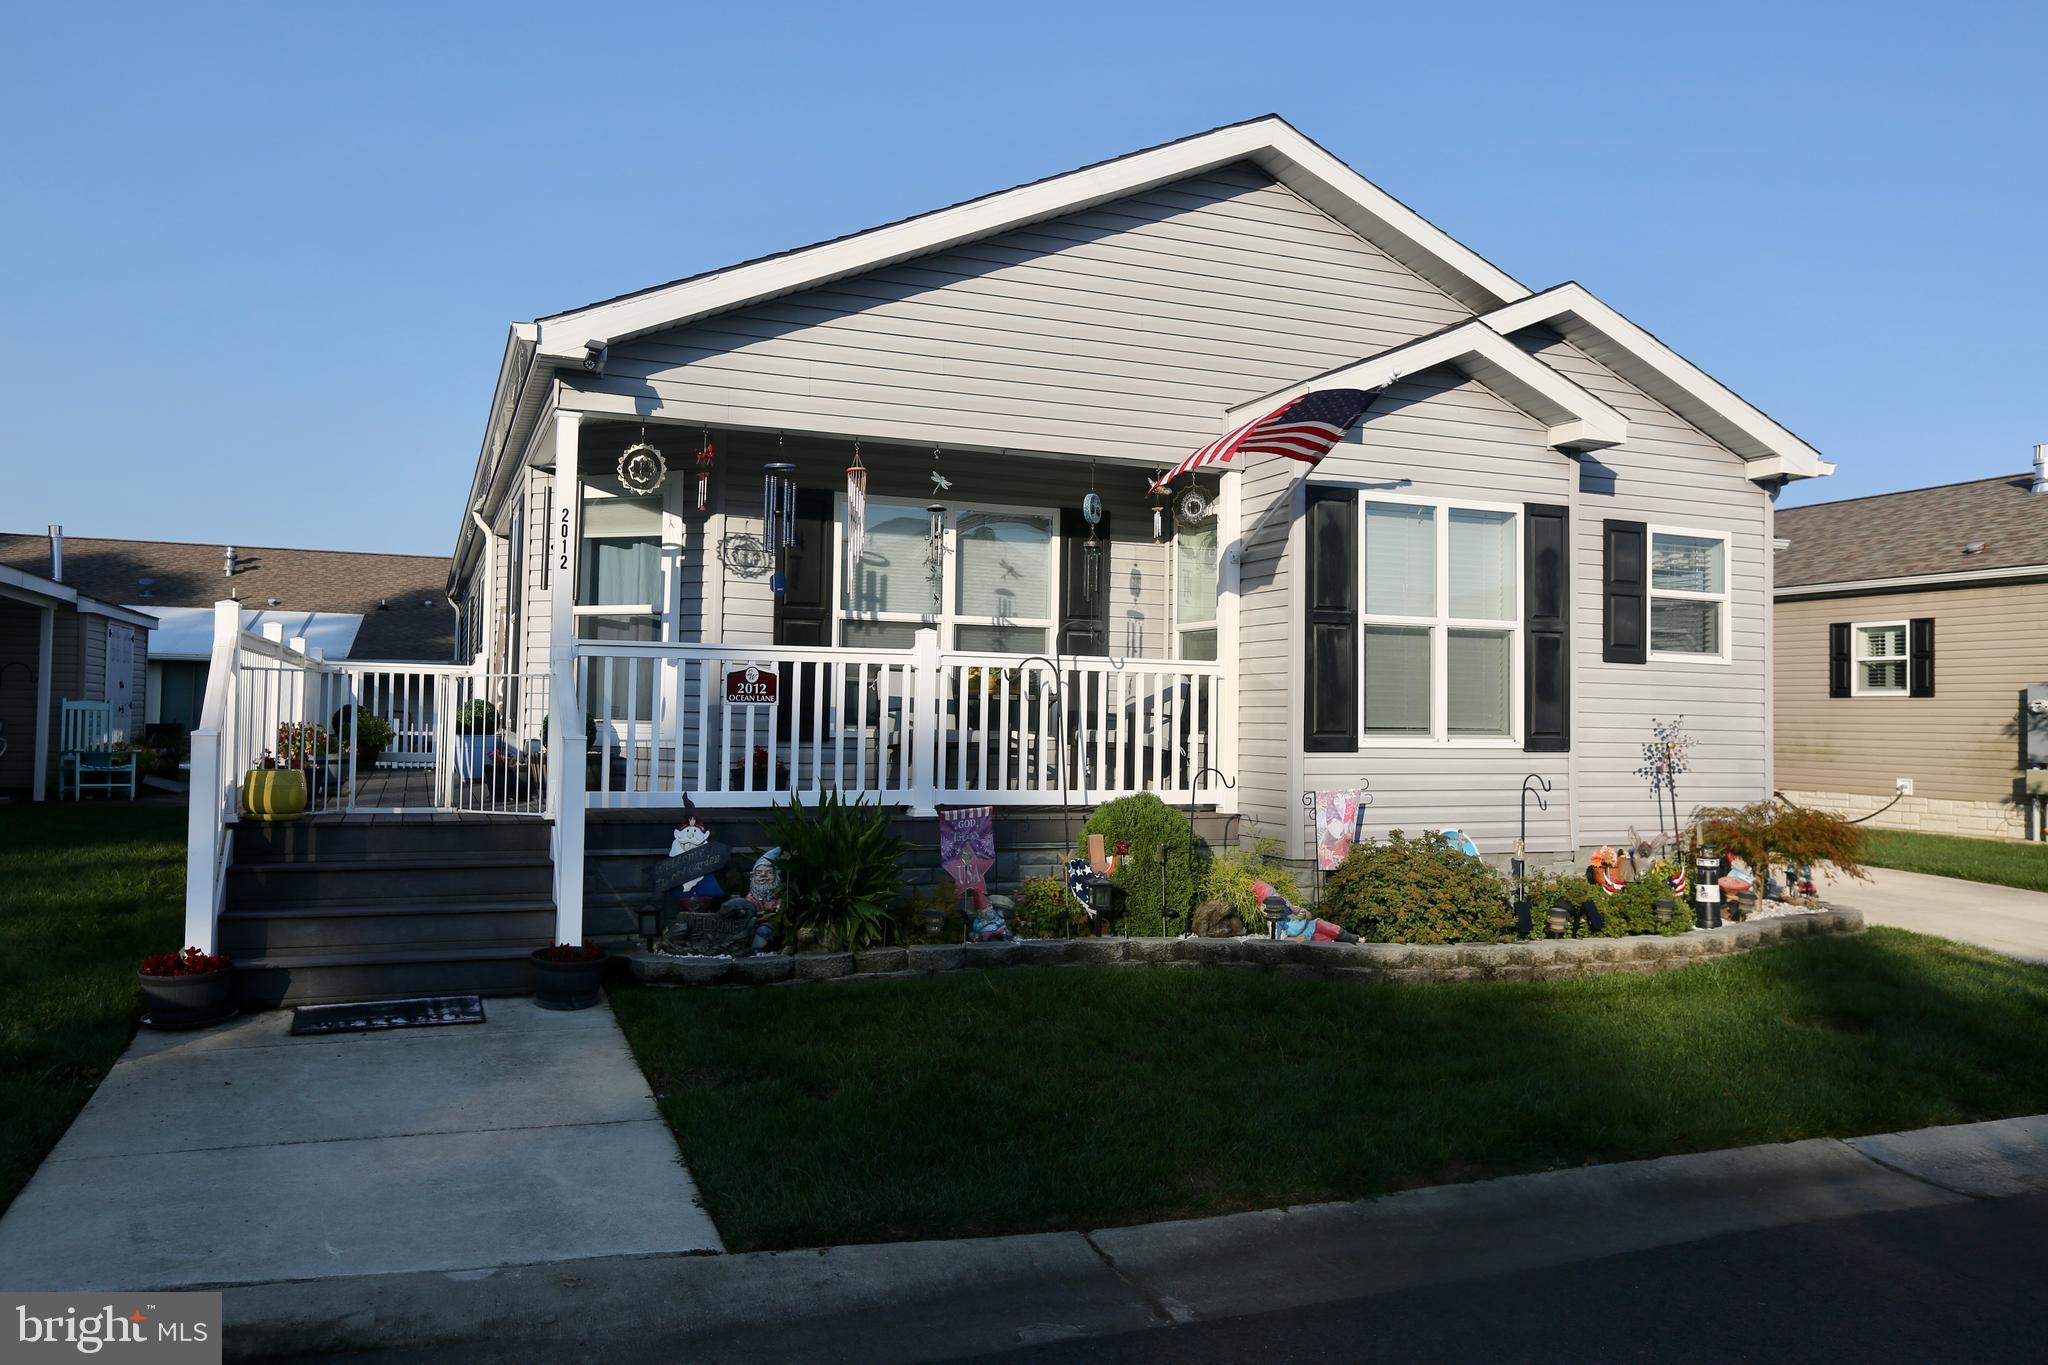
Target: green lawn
<point x="977" y="1103"/>
<point x="1947" y="855"/>
<point x="85" y="893"/>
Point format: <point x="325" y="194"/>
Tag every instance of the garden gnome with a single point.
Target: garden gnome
<point x="1297" y="923"/>
<point x="689" y="835"/>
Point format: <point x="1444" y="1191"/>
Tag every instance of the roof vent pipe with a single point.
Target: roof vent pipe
<point x="57" y="546"/>
<point x="2040" y="470"/>
<point x="227" y="568"/>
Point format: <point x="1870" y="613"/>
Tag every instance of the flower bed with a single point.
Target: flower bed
<point x="1405" y="963"/>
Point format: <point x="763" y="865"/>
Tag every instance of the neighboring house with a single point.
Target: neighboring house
<point x="56" y="645"/>
<point x="1547" y="531"/>
<point x="347" y="604"/>
<point x="1907" y="625"/>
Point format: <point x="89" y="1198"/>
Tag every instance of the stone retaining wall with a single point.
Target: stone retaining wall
<point x="1393" y="962"/>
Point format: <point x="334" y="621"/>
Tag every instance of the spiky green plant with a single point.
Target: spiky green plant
<point x="842" y="873"/>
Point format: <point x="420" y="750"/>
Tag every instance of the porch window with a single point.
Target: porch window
<point x="996" y="589"/>
<point x="1880" y="660"/>
<point x="1441" y="628"/>
<point x="1194" y="590"/>
<point x="621" y="556"/>
<point x="1688" y="594"/>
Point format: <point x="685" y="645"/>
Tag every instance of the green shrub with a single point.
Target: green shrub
<point x="910" y="917"/>
<point x="842" y="874"/>
<point x="476" y="717"/>
<point x="1150" y="825"/>
<point x="1417" y="891"/>
<point x="1231" y="873"/>
<point x="1632" y="910"/>
<point x="1046" y="909"/>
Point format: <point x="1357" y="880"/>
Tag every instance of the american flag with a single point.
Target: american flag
<point x="1302" y="429"/>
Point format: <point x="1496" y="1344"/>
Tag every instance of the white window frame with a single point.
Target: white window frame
<point x="1441" y="623"/>
<point x="1652" y="592"/>
<point x="1182" y="625"/>
<point x="948" y="619"/>
<point x="1904" y="658"/>
<point x="665" y="614"/>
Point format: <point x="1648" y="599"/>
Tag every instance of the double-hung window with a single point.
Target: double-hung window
<point x="993" y="590"/>
<point x="1879" y="659"/>
<point x="1688" y="594"/>
<point x="1441" y="628"/>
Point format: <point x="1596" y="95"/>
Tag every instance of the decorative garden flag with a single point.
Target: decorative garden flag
<point x="1337" y="828"/>
<point x="967" y="848"/>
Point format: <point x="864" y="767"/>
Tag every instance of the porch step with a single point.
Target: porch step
<point x="383" y="973"/>
<point x="366" y="925"/>
<point x="310" y="842"/>
<point x="375" y="877"/>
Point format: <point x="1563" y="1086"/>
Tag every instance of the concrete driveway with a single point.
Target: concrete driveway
<point x="243" y="1154"/>
<point x="2000" y="918"/>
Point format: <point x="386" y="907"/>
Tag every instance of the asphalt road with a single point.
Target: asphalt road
<point x="1962" y="1282"/>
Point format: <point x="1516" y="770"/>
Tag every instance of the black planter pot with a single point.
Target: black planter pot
<point x="187" y="1002"/>
<point x="567" y="985"/>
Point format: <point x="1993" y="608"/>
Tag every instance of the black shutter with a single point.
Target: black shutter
<point x="1920" y="657"/>
<point x="1330" y="712"/>
<point x="1625" y="590"/>
<point x="1838" y="659"/>
<point x="1084" y="605"/>
<point x="1547" y="618"/>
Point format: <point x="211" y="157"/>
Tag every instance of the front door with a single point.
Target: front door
<point x="119" y="683"/>
<point x="803" y="613"/>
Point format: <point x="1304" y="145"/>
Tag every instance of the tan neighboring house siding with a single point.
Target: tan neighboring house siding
<point x="1960" y="746"/>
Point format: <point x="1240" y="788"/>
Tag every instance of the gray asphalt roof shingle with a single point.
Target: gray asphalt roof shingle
<point x="1918" y="531"/>
<point x="400" y="597"/>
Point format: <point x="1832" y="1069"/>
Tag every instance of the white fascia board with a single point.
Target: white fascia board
<point x="35" y="589"/>
<point x="1271" y="142"/>
<point x="1965" y="578"/>
<point x="130" y="616"/>
<point x="1571" y="310"/>
<point x="1577" y="419"/>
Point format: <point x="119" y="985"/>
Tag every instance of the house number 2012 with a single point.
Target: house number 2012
<point x="563" y="536"/>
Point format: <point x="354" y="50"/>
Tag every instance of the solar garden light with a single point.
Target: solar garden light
<point x="650" y="923"/>
<point x="1106" y="900"/>
<point x="934" y="919"/>
<point x="1664" y="909"/>
<point x="1558" y="922"/>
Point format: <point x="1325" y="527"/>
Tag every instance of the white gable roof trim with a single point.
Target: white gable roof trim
<point x="1571" y="311"/>
<point x="1269" y="142"/>
<point x="1578" y="420"/>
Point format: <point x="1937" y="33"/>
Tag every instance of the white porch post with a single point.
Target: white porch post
<point x="1229" y="648"/>
<point x="926" y="731"/>
<point x="566" y="741"/>
<point x="46" y="642"/>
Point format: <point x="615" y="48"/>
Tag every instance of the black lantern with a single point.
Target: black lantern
<point x="1706" y="888"/>
<point x="650" y="923"/>
<point x="934" y="920"/>
<point x="1106" y="901"/>
<point x="1523" y="921"/>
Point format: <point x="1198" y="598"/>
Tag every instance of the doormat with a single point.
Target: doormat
<point x="423" y="1012"/>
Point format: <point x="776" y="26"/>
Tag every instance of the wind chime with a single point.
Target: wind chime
<point x="1091" y="553"/>
<point x="856" y="510"/>
<point x="641" y="468"/>
<point x="705" y="456"/>
<point x="935" y="533"/>
<point x="778" y="517"/>
<point x="1158" y="515"/>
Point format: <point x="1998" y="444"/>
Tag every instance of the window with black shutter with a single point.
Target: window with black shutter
<point x="1921" y="657"/>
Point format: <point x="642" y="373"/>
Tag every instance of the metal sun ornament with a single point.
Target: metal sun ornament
<point x="641" y="467"/>
<point x="1192" y="505"/>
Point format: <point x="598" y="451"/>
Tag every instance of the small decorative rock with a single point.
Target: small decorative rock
<point x="1218" y="919"/>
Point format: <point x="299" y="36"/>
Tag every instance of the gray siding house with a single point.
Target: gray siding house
<point x="1547" y="530"/>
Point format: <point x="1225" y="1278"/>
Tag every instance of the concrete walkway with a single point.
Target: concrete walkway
<point x="241" y="1154"/>
<point x="2001" y="918"/>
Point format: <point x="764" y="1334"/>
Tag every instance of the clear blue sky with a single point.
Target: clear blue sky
<point x="259" y="260"/>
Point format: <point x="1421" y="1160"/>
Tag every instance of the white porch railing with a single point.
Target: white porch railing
<point x="915" y="727"/>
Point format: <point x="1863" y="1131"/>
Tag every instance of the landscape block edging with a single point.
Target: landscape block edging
<point x="1402" y="963"/>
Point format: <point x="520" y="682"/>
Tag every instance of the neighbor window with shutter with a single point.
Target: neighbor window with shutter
<point x="1879" y="662"/>
<point x="1441" y="629"/>
<point x="1688" y="594"/>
